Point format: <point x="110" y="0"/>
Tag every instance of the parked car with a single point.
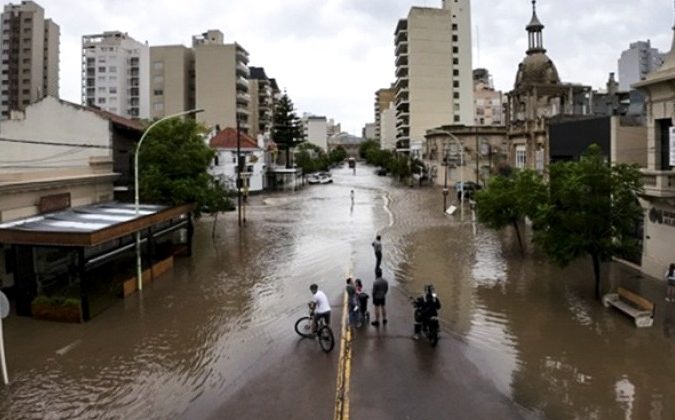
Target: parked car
<point x="320" y="178"/>
<point x="381" y="172"/>
<point x="470" y="189"/>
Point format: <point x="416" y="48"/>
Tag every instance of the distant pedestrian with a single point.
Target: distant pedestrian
<point x="351" y="194"/>
<point x="377" y="247"/>
<point x="670" y="286"/>
<point x="362" y="300"/>
<point x="380" y="289"/>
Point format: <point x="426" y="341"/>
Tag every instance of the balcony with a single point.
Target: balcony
<point x="402" y="60"/>
<point x="402" y="71"/>
<point x="401" y="48"/>
<point x="242" y="70"/>
<point x="659" y="184"/>
<point x="243" y="98"/>
<point x="242" y="81"/>
<point x="401" y="36"/>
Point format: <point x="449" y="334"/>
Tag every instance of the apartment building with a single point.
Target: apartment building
<point x="636" y="62"/>
<point x="433" y="71"/>
<point x="262" y="102"/>
<point x="172" y="72"/>
<point x="115" y="74"/>
<point x="30" y="57"/>
<point x="316" y="130"/>
<point x="368" y="131"/>
<point x="221" y="81"/>
<point x="487" y="100"/>
<point x="387" y="128"/>
<point x="383" y="100"/>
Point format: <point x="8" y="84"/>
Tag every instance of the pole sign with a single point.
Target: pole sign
<point x="672" y="146"/>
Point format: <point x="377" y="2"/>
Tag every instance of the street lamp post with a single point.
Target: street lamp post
<point x="445" y="183"/>
<point x="139" y="271"/>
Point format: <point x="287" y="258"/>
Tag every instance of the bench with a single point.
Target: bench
<point x="632" y="304"/>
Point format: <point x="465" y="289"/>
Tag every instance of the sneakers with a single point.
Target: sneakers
<point x="375" y="324"/>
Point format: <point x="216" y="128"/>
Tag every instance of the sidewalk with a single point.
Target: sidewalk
<point x="396" y="377"/>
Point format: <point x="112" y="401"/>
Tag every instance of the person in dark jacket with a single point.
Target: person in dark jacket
<point x="380" y="289"/>
<point x="426" y="307"/>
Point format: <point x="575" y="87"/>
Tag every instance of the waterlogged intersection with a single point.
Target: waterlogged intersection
<point x="214" y="338"/>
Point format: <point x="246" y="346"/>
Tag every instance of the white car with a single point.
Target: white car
<point x="320" y="178"/>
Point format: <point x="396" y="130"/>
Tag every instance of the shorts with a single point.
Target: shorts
<point x="671" y="282"/>
<point x="378" y="302"/>
<point x="325" y="315"/>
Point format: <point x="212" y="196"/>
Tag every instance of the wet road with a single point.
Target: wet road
<point x="214" y="338"/>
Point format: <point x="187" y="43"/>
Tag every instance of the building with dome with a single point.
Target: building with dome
<point x="539" y="95"/>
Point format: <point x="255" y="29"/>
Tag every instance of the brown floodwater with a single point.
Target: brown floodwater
<point x="197" y="334"/>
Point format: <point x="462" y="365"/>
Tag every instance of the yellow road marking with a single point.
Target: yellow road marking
<point x="344" y="367"/>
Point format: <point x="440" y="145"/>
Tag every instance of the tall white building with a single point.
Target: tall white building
<point x="316" y="130"/>
<point x="636" y="62"/>
<point x="116" y="74"/>
<point x="434" y="83"/>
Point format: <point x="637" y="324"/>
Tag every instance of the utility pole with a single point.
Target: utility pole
<point x="445" y="183"/>
<point x="238" y="173"/>
<point x="477" y="155"/>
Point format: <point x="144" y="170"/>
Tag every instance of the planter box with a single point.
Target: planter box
<point x="63" y="313"/>
<point x="129" y="286"/>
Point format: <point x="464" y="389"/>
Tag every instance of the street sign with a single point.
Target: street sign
<point x="672" y="146"/>
<point x="4" y="306"/>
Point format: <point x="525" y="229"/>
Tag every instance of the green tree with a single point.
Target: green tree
<point x="507" y="200"/>
<point x="367" y="147"/>
<point x="173" y="164"/>
<point x="591" y="210"/>
<point x="287" y="129"/>
<point x="337" y="155"/>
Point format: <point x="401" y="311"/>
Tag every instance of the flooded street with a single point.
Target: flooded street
<point x="224" y="318"/>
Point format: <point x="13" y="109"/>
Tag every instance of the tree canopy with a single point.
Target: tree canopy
<point x="287" y="130"/>
<point x="591" y="210"/>
<point x="173" y="164"/>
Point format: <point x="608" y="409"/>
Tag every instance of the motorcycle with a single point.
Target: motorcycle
<point x="426" y="315"/>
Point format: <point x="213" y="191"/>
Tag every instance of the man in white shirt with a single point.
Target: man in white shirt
<point x="322" y="306"/>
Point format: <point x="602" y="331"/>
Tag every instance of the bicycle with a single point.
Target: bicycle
<point x="307" y="327"/>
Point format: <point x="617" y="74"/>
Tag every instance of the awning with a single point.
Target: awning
<point x="88" y="225"/>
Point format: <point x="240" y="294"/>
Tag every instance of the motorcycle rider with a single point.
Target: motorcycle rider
<point x="426" y="306"/>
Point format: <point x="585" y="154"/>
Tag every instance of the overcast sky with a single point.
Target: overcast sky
<point x="331" y="55"/>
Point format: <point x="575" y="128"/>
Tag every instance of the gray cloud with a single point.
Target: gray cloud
<point x="333" y="54"/>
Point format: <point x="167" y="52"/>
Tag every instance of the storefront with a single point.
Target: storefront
<point x="73" y="264"/>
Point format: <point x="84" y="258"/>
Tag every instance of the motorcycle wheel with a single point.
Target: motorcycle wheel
<point x="303" y="327"/>
<point x="433" y="338"/>
<point x="326" y="339"/>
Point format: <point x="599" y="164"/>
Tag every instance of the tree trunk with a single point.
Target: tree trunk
<point x="596" y="272"/>
<point x="520" y="240"/>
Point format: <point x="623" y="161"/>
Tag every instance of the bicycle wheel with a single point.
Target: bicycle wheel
<point x="326" y="339"/>
<point x="303" y="327"/>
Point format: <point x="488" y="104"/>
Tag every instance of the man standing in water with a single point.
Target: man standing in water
<point x="351" y="194"/>
<point x="377" y="247"/>
<point x="380" y="289"/>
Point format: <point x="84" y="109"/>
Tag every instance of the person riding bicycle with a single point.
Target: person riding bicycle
<point x="426" y="307"/>
<point x="321" y="305"/>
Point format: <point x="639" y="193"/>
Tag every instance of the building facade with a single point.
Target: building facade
<point x="221" y="81"/>
<point x="316" y="130"/>
<point x="388" y="128"/>
<point x="433" y="71"/>
<point x="658" y="199"/>
<point x="261" y="106"/>
<point x="171" y="88"/>
<point x="383" y="100"/>
<point x="487" y="101"/>
<point x="30" y="51"/>
<point x="636" y="62"/>
<point x="115" y="74"/>
<point x="369" y="131"/>
<point x="224" y="167"/>
<point x="537" y="96"/>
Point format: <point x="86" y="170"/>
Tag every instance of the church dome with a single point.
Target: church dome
<point x="537" y="69"/>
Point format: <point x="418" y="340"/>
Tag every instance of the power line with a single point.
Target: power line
<point x="53" y="143"/>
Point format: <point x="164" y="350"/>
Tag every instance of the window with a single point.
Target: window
<point x="454" y="26"/>
<point x="101" y="69"/>
<point x="456" y="108"/>
<point x="101" y="89"/>
<point x="112" y="79"/>
<point x="455" y="83"/>
<point x="158" y="79"/>
<point x="455" y="50"/>
<point x="158" y="65"/>
<point x="521" y="156"/>
<point x="455" y="72"/>
<point x="455" y="95"/>
<point x="158" y="106"/>
<point x="112" y="89"/>
<point x="159" y="92"/>
<point x="112" y="69"/>
<point x="101" y="59"/>
<point x="456" y="118"/>
<point x="101" y="100"/>
<point x="101" y="79"/>
<point x="455" y="61"/>
<point x="455" y="38"/>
